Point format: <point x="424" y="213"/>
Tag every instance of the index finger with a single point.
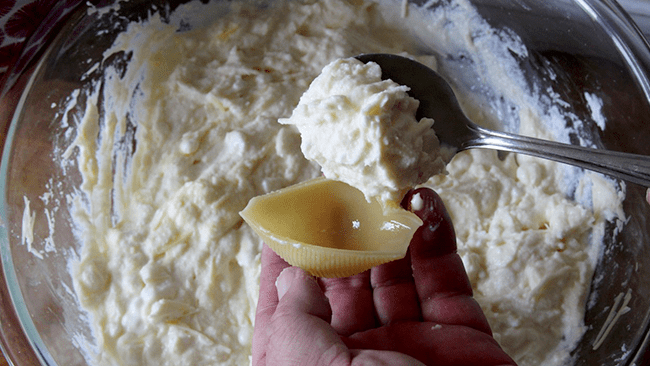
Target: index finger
<point x="272" y="265"/>
<point x="441" y="282"/>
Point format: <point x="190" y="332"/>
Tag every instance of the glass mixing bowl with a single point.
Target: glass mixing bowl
<point x="588" y="46"/>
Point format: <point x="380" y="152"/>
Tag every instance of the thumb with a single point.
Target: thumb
<point x="299" y="293"/>
<point x="299" y="331"/>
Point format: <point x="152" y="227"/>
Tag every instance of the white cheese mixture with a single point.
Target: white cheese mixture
<point x="362" y="131"/>
<point x="525" y="247"/>
<point x="171" y="147"/>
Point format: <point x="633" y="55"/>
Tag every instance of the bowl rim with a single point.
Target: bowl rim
<point x="20" y="341"/>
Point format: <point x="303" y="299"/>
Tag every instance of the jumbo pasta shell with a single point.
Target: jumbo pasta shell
<point x="329" y="229"/>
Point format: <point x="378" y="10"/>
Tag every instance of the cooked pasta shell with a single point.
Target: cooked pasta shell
<point x="328" y="228"/>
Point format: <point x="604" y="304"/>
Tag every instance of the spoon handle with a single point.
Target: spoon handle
<point x="631" y="167"/>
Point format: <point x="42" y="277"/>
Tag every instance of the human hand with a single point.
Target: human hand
<point x="414" y="311"/>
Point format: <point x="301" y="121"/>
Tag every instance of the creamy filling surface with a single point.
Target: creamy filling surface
<point x="362" y="130"/>
<point x="172" y="146"/>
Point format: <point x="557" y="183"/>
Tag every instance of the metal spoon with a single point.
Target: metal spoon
<point x="456" y="131"/>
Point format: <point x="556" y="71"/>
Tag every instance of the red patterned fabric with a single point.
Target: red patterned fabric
<point x="25" y="25"/>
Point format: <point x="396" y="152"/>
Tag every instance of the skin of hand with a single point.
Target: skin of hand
<point x="415" y="311"/>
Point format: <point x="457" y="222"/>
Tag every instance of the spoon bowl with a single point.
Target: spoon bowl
<point x="457" y="132"/>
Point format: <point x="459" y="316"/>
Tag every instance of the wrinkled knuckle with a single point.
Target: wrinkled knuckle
<point x="336" y="355"/>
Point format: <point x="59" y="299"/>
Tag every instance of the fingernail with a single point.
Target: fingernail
<point x="436" y="235"/>
<point x="283" y="282"/>
<point x="425" y="203"/>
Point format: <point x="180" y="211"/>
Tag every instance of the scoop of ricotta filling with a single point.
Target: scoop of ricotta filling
<point x="362" y="130"/>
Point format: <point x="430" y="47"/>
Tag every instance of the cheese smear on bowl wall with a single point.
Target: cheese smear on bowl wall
<point x="180" y="131"/>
